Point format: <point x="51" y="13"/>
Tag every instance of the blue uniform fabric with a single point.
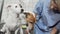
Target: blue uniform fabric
<point x="49" y="18"/>
<point x="58" y="27"/>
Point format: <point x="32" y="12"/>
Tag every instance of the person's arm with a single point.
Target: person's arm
<point x="45" y="8"/>
<point x="38" y="12"/>
<point x="51" y="17"/>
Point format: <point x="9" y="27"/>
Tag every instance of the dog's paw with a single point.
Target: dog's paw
<point x="2" y="32"/>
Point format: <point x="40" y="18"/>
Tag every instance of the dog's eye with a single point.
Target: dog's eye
<point x="15" y="6"/>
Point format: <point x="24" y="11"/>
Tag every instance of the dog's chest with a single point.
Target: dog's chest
<point x="11" y="26"/>
<point x="11" y="21"/>
<point x="12" y="18"/>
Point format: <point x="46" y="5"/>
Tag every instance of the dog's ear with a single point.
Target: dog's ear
<point x="8" y="7"/>
<point x="30" y="18"/>
<point x="20" y="5"/>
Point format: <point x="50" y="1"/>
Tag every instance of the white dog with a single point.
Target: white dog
<point x="12" y="21"/>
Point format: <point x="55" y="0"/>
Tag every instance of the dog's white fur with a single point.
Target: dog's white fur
<point x="22" y="20"/>
<point x="11" y="22"/>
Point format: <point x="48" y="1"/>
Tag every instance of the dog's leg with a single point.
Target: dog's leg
<point x="21" y="31"/>
<point x="7" y="31"/>
<point x="3" y="28"/>
<point x="16" y="31"/>
<point x="27" y="30"/>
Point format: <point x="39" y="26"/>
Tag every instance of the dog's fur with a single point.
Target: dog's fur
<point x="11" y="23"/>
<point x="22" y="19"/>
<point x="30" y="18"/>
<point x="30" y="21"/>
<point x="16" y="18"/>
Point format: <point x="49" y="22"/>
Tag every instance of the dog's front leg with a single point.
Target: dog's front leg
<point x="21" y="30"/>
<point x="17" y="30"/>
<point x="7" y="31"/>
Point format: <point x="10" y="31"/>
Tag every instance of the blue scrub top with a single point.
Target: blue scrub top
<point x="48" y="17"/>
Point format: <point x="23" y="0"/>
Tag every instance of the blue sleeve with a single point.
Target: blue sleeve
<point x="41" y="26"/>
<point x="38" y="10"/>
<point x="48" y="20"/>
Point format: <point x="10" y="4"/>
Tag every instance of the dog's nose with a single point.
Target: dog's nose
<point x="22" y="10"/>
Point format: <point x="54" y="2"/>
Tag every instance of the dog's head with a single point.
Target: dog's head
<point x="17" y="8"/>
<point x="30" y="18"/>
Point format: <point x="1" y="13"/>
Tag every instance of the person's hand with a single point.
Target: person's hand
<point x="54" y="30"/>
<point x="53" y="5"/>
